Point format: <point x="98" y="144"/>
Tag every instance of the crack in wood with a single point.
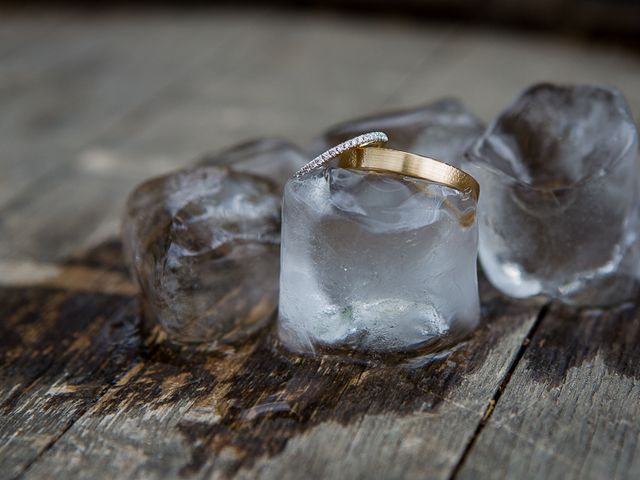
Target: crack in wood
<point x="486" y="417"/>
<point x="59" y="435"/>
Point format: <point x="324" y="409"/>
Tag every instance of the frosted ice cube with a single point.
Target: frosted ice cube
<point x="443" y="130"/>
<point x="203" y="244"/>
<point x="559" y="210"/>
<point x="375" y="262"/>
<point x="270" y="157"/>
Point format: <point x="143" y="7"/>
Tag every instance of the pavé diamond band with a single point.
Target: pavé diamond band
<point x="372" y="138"/>
<point x="395" y="161"/>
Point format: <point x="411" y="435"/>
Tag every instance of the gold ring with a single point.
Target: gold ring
<point x="379" y="159"/>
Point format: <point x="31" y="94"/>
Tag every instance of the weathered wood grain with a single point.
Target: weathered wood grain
<point x="572" y="406"/>
<point x="84" y="78"/>
<point x="61" y="349"/>
<point x="289" y="75"/>
<point x="18" y="31"/>
<point x="102" y="403"/>
<point x="487" y="69"/>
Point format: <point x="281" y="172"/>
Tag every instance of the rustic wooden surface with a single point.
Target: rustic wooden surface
<point x="93" y="105"/>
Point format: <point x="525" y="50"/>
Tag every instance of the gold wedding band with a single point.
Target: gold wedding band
<point x="386" y="160"/>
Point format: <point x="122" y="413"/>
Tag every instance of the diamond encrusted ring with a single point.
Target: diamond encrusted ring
<point x="364" y="140"/>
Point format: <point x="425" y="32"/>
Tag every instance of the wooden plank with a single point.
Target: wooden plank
<point x="61" y="349"/>
<point x="290" y="75"/>
<point x="64" y="217"/>
<point x="234" y="95"/>
<point x="255" y="410"/>
<point x="18" y="31"/>
<point x="60" y="94"/>
<point x="487" y="69"/>
<point x="572" y="406"/>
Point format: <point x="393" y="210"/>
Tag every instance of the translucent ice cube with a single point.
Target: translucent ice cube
<point x="443" y="130"/>
<point x="270" y="157"/>
<point x="375" y="262"/>
<point x="559" y="207"/>
<point x="202" y="244"/>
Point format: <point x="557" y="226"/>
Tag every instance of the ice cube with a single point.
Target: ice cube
<point x="271" y="157"/>
<point x="559" y="207"/>
<point x="375" y="262"/>
<point x="443" y="130"/>
<point x="203" y="244"/>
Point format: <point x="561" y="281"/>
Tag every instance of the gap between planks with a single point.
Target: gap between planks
<point x="499" y="391"/>
<point x="69" y="424"/>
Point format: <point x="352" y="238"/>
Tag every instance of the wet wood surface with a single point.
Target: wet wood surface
<point x="92" y="106"/>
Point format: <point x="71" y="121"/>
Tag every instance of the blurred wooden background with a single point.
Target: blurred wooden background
<point x="93" y="104"/>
